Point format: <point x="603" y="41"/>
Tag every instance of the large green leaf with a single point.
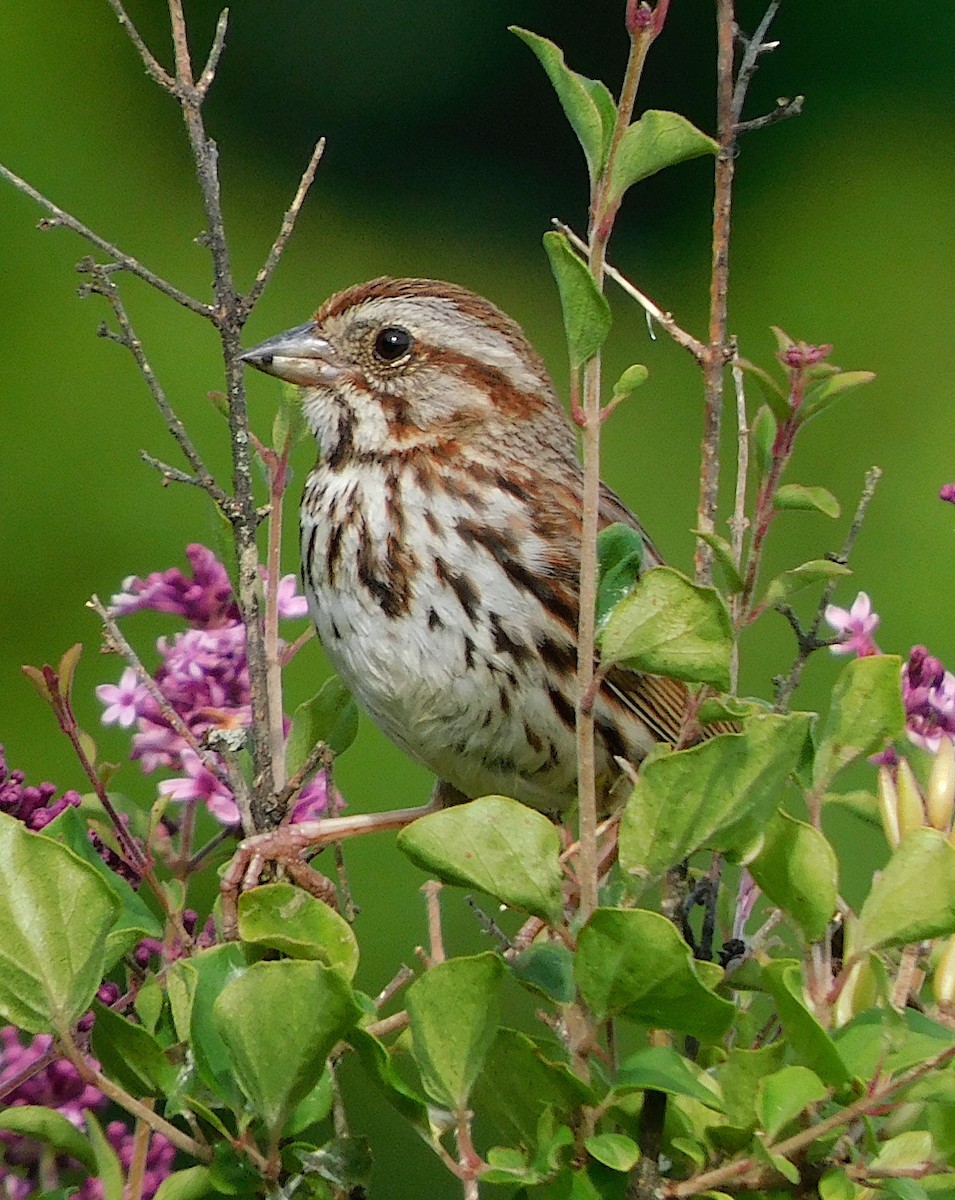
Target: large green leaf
<point x="453" y="1010"/>
<point x="134" y="921"/>
<point x="634" y="963"/>
<point x="587" y="104"/>
<point x="55" y="915"/>
<point x="656" y="140"/>
<point x="914" y="895"/>
<point x="718" y="794"/>
<point x="782" y="1096"/>
<point x="798" y="870"/>
<point x="520" y="1081"/>
<point x="865" y="713"/>
<point x="279" y="1022"/>
<point x="279" y="916"/>
<point x="330" y="716"/>
<point x="585" y="308"/>
<point x="808" y="1042"/>
<point x="194" y="985"/>
<point x="130" y="1055"/>
<point x="670" y="626"/>
<point x="50" y="1127"/>
<point x="663" y="1069"/>
<point x="495" y="844"/>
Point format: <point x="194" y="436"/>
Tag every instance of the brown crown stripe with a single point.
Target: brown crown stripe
<point x="562" y="706"/>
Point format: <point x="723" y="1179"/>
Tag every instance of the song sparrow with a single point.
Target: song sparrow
<point x="441" y="541"/>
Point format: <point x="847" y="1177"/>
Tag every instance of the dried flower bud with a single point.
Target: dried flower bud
<point x="940" y="792"/>
<point x="889" y="807"/>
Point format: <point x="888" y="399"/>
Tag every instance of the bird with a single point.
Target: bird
<point x="441" y="540"/>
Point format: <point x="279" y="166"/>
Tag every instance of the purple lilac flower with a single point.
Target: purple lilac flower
<point x="947" y="492"/>
<point x="203" y="677"/>
<point x="855" y="626"/>
<point x="36" y="806"/>
<point x="928" y="693"/>
<point x="159" y="1160"/>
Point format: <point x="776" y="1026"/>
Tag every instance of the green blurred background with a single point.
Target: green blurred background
<point x="447" y="156"/>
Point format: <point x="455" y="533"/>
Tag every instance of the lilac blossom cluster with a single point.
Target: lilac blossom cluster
<point x="928" y="689"/>
<point x="26" y="1078"/>
<point x="203" y="679"/>
<point x="35" y="806"/>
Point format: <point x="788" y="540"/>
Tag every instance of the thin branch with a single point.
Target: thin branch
<point x="59" y="217"/>
<point x="154" y="68"/>
<point x="810" y="640"/>
<point x="285" y="231"/>
<point x="215" y="53"/>
<point x="169" y="474"/>
<point x="102" y="285"/>
<point x="664" y="319"/>
<point x="753" y="48"/>
<point x="783" y="111"/>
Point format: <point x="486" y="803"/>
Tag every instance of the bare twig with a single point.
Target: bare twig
<point x="101" y="283"/>
<point x="753" y="48"/>
<point x="432" y="894"/>
<point x="664" y="319"/>
<point x="154" y="68"/>
<point x="215" y="53"/>
<point x="169" y="474"/>
<point x="809" y="640"/>
<point x="59" y="217"/>
<point x="285" y="231"/>
<point x="782" y="112"/>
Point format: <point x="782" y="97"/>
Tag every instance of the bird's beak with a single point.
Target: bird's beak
<point x="298" y="356"/>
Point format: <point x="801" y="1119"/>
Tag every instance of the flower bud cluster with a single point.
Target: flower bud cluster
<point x="36" y="806"/>
<point x="203" y="678"/>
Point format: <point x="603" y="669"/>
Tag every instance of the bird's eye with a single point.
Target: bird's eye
<point x="393" y="343"/>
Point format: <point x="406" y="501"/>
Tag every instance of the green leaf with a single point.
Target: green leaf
<point x="288" y="425"/>
<point x="548" y="968"/>
<point x="911" y="1149"/>
<point x="738" y="1078"/>
<point x="817" y="570"/>
<point x="620" y="553"/>
<point x="495" y="844"/>
<point x="634" y="963"/>
<point x="656" y="140"/>
<point x="50" y="1127"/>
<point x="584" y="307"/>
<point x="764" y="431"/>
<point x="108" y="1171"/>
<point x="914" y="895"/>
<point x="587" y="104"/>
<point x="282" y="917"/>
<point x="821" y="396"/>
<point x="808" y="499"/>
<point x="778" y="1162"/>
<point x="633" y="377"/>
<point x="453" y="1011"/>
<point x="798" y="870"/>
<point x="782" y="1096"/>
<point x="55" y="915"/>
<point x="194" y="985"/>
<point x="866" y="712"/>
<point x="808" y="1042"/>
<point x="717" y="794"/>
<point x="330" y="717"/>
<point x="663" y="1069"/>
<point x="724" y="556"/>
<point x="193" y="1183"/>
<point x="519" y="1082"/>
<point x="881" y="1039"/>
<point x="278" y="1062"/>
<point x="344" y="1161"/>
<point x="134" y="921"/>
<point x="130" y="1055"/>
<point x="776" y="396"/>
<point x="380" y="1065"/>
<point x="670" y="626"/>
<point x="314" y="1108"/>
<point x="614" y="1150"/>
